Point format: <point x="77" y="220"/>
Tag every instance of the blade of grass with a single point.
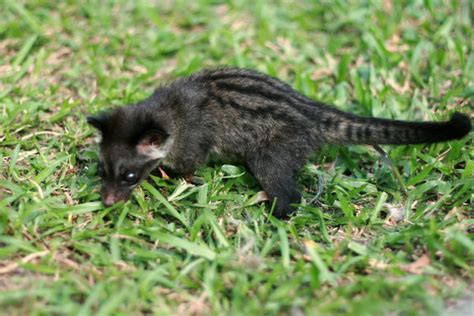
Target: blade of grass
<point x="284" y="247"/>
<point x="171" y="210"/>
<point x="25" y="49"/>
<point x="25" y="14"/>
<point x="193" y="248"/>
<point x="324" y="274"/>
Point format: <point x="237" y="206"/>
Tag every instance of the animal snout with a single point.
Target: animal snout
<point x="111" y="198"/>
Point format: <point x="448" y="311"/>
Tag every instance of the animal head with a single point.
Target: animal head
<point x="132" y="144"/>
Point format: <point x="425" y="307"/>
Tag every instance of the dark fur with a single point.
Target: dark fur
<point x="243" y="113"/>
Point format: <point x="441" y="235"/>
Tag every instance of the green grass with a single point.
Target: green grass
<point x="364" y="248"/>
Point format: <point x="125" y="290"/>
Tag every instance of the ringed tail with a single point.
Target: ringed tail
<point x="355" y="129"/>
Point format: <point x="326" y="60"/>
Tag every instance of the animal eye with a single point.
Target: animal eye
<point x="131" y="177"/>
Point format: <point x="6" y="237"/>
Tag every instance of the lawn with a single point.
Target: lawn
<point x="368" y="245"/>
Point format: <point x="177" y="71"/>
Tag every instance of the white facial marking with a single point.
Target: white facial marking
<point x="156" y="152"/>
<point x="98" y="138"/>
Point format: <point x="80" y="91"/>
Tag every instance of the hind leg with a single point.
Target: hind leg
<point x="276" y="178"/>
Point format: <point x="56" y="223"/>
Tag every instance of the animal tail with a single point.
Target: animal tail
<point x="353" y="129"/>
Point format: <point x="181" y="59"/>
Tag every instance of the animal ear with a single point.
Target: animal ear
<point x="150" y="144"/>
<point x="98" y="121"/>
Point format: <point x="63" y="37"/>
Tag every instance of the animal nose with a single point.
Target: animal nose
<point x="110" y="199"/>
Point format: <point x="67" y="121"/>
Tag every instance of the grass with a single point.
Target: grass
<point x="363" y="248"/>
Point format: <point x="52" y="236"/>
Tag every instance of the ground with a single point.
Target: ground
<point x="369" y="244"/>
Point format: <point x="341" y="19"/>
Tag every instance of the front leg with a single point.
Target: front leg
<point x="183" y="164"/>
